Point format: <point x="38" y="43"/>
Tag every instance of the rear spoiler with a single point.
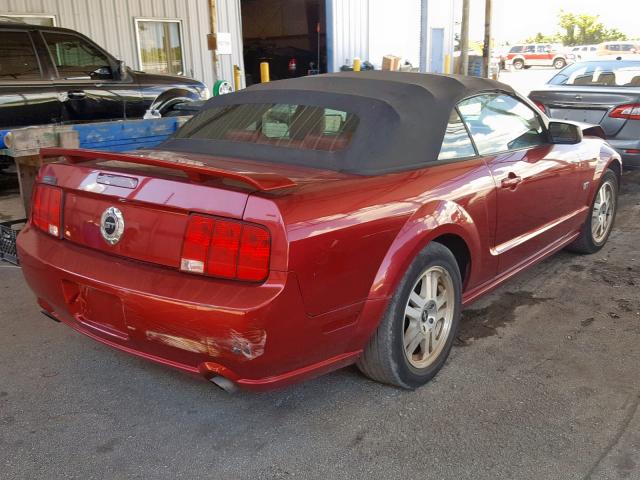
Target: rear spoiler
<point x="196" y="171"/>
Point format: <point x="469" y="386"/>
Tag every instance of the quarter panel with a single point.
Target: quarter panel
<point x="354" y="239"/>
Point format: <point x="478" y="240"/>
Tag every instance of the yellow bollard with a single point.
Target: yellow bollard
<point x="264" y="72"/>
<point x="237" y="85"/>
<point x="356" y="65"/>
<point x="447" y="64"/>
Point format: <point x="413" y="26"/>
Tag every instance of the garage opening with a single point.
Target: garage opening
<point x="289" y="34"/>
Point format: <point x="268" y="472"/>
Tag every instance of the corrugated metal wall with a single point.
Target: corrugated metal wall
<point x="348" y="25"/>
<point x="110" y="23"/>
<point x="230" y="20"/>
<point x="369" y="29"/>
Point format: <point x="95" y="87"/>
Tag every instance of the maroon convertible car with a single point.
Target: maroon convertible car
<point x="303" y="225"/>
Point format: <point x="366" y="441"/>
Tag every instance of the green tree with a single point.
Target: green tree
<point x="615" y="34"/>
<point x="542" y="38"/>
<point x="584" y="29"/>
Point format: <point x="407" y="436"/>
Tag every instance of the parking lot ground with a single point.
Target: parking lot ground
<point x="543" y="384"/>
<point x="523" y="81"/>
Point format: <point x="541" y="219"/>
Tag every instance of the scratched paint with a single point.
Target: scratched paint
<point x="182" y="343"/>
<point x="250" y="345"/>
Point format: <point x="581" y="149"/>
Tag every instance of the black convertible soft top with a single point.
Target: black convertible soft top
<point x="402" y="118"/>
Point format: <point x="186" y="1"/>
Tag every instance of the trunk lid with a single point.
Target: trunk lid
<point x="587" y="104"/>
<point x="154" y="193"/>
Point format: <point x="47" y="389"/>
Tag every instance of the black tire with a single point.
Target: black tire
<point x="586" y="243"/>
<point x="384" y="358"/>
<point x="518" y="64"/>
<point x="559" y="63"/>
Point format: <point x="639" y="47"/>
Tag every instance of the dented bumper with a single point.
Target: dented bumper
<point x="257" y="336"/>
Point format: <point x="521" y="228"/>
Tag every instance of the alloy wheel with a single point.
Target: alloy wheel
<point x="428" y="317"/>
<point x="603" y="213"/>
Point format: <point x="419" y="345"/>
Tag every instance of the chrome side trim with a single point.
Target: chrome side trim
<point x="525" y="237"/>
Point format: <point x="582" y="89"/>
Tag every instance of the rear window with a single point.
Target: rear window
<point x="283" y="125"/>
<point x="600" y="74"/>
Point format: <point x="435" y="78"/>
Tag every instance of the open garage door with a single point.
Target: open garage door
<point x="289" y="34"/>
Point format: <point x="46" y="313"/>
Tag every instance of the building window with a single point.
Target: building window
<point x="160" y="46"/>
<point x="33" y="19"/>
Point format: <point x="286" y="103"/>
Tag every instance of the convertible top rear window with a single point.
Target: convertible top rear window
<point x="282" y="125"/>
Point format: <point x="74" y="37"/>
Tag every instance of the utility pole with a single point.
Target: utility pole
<point x="424" y="34"/>
<point x="486" y="50"/>
<point x="211" y="38"/>
<point x="464" y="39"/>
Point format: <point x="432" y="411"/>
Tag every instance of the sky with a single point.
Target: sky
<point x="515" y="20"/>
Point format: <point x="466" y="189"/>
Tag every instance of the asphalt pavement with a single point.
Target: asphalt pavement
<point x="524" y="81"/>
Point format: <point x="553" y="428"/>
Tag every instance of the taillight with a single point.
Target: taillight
<point x="541" y="106"/>
<point x="46" y="209"/>
<point x="629" y="112"/>
<point x="255" y="249"/>
<point x="226" y="248"/>
<point x="196" y="244"/>
<point x="223" y="254"/>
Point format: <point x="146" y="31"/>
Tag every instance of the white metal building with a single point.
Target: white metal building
<point x="420" y="31"/>
<point x="170" y="36"/>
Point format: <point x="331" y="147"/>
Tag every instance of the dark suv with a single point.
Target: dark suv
<point x="55" y="75"/>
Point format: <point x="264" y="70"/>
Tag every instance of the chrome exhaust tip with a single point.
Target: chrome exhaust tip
<point x="224" y="383"/>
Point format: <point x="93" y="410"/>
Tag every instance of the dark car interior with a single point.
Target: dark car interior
<point x="293" y="126"/>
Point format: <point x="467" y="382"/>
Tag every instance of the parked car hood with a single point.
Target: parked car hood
<point x="158" y="79"/>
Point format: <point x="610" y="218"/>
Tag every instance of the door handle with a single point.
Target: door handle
<point x="511" y="181"/>
<point x="76" y="94"/>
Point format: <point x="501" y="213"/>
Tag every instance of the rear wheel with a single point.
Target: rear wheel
<point x="559" y="63"/>
<point x="598" y="225"/>
<point x="518" y="64"/>
<point x="415" y="335"/>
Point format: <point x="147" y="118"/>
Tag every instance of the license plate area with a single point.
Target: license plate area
<point x="578" y="115"/>
<point x="96" y="309"/>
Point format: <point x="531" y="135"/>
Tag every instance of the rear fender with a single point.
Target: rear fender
<point x="425" y="225"/>
<point x="602" y="158"/>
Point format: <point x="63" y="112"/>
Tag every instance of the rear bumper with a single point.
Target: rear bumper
<point x="257" y="336"/>
<point x="622" y="146"/>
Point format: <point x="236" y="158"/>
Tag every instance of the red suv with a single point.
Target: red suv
<point x="535" y="54"/>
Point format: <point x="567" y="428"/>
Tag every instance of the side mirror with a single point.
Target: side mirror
<point x="102" y="73"/>
<point x="564" y="133"/>
<point x="121" y="70"/>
